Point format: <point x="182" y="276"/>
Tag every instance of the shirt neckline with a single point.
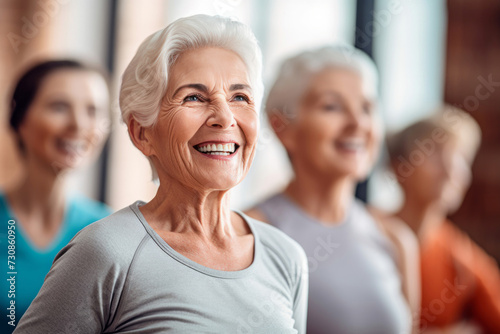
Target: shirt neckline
<point x="194" y="265"/>
<point x="54" y="244"/>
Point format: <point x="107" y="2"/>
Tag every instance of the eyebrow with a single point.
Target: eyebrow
<point x="204" y="89"/>
<point x="197" y="86"/>
<point x="340" y="97"/>
<point x="240" y="86"/>
<point x="330" y="93"/>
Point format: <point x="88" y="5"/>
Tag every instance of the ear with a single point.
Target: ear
<point x="140" y="136"/>
<point x="283" y="128"/>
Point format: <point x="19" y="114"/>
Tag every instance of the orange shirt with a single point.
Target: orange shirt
<point x="459" y="281"/>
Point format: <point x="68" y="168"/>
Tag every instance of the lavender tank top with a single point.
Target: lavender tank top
<point x="354" y="283"/>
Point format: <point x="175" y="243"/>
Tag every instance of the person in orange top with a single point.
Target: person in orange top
<point x="460" y="283"/>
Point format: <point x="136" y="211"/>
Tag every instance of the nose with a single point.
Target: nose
<point x="79" y="119"/>
<point x="356" y="118"/>
<point x="222" y="117"/>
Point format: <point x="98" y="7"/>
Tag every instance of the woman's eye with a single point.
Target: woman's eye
<point x="91" y="110"/>
<point x="367" y="109"/>
<point x="332" y="107"/>
<point x="59" y="106"/>
<point x="241" y="98"/>
<point x="193" y="98"/>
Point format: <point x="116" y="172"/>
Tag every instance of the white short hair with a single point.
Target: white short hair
<point x="144" y="82"/>
<point x="296" y="72"/>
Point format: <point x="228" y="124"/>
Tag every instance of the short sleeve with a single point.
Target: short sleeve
<point x="80" y="290"/>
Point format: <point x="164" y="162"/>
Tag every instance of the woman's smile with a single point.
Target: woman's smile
<point x="351" y="146"/>
<point x="219" y="150"/>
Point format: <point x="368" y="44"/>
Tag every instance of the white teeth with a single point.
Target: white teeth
<point x="217" y="149"/>
<point x="352" y="144"/>
<point x="73" y="145"/>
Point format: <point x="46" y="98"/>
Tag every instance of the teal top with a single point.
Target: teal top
<point x="22" y="274"/>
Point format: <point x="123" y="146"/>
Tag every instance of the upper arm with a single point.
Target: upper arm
<point x="76" y="293"/>
<point x="407" y="246"/>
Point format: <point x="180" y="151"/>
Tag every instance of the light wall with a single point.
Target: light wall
<point x="41" y="30"/>
<point x="409" y="49"/>
<point x="282" y="28"/>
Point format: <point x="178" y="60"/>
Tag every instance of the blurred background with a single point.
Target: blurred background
<point x="427" y="52"/>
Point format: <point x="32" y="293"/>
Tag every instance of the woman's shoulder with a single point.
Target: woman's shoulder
<point x="390" y="224"/>
<point x="398" y="232"/>
<point x="119" y="223"/>
<point x="275" y="240"/>
<point x="116" y="233"/>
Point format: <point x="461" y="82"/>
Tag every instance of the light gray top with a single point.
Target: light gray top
<point x="354" y="284"/>
<point x="119" y="276"/>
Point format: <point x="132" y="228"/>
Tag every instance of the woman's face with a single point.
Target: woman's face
<point x="443" y="177"/>
<point x="335" y="132"/>
<point x="63" y="124"/>
<point x="206" y="131"/>
<point x="429" y="177"/>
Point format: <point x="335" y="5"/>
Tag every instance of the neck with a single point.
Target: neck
<point x="325" y="200"/>
<point x="421" y="217"/>
<point x="40" y="194"/>
<point x="177" y="208"/>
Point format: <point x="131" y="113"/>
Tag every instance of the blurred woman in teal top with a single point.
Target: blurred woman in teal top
<point x="60" y="115"/>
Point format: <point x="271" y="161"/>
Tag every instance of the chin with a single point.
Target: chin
<point x="66" y="163"/>
<point x="353" y="171"/>
<point x="451" y="205"/>
<point x="60" y="167"/>
<point x="221" y="185"/>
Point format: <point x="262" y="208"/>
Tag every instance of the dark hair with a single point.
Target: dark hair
<point x="30" y="82"/>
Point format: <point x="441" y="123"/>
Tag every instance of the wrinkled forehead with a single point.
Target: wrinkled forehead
<point x="339" y="81"/>
<point x="211" y="66"/>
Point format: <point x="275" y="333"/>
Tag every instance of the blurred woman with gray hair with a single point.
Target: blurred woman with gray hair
<point x="183" y="263"/>
<point x="432" y="160"/>
<point x="323" y="108"/>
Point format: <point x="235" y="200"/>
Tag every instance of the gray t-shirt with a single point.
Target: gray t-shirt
<point x="354" y="283"/>
<point x="119" y="276"/>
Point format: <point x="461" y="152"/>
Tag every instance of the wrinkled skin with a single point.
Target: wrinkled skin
<point x="190" y="116"/>
<point x="209" y="100"/>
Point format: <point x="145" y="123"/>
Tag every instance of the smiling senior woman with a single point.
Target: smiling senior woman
<point x="183" y="262"/>
<point x="322" y="107"/>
